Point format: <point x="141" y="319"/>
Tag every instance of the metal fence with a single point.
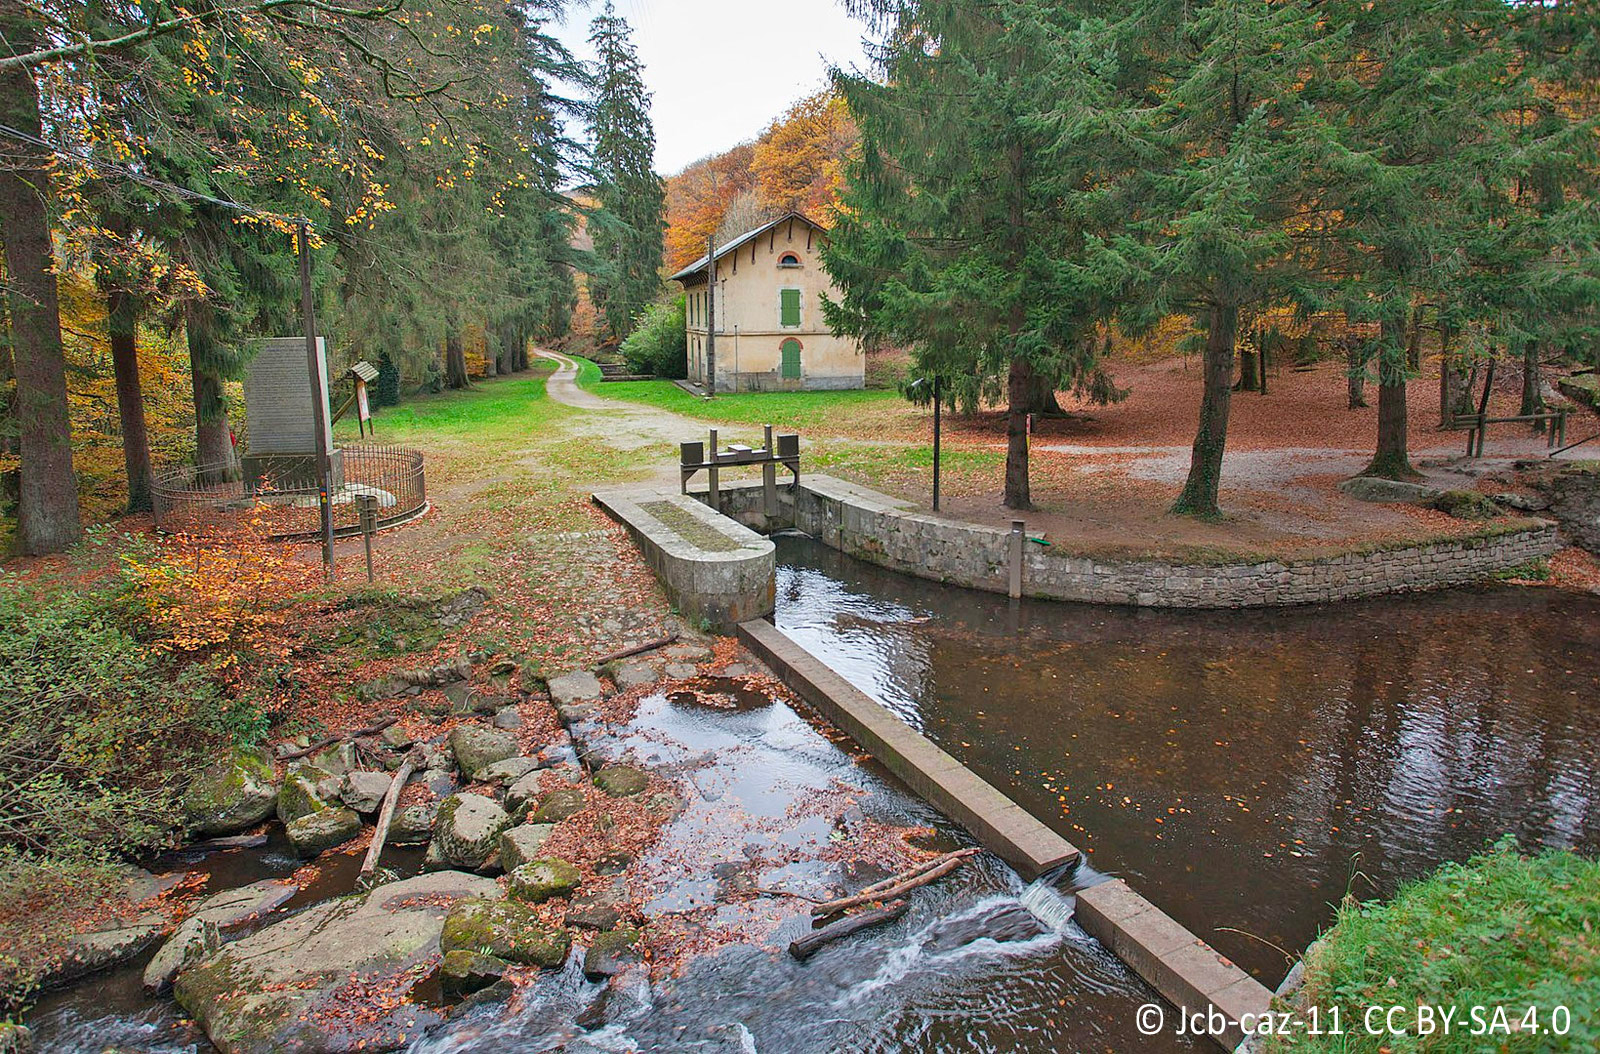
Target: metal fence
<point x="215" y="500"/>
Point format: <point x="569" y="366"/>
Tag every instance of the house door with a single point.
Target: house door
<point x="791" y="359"/>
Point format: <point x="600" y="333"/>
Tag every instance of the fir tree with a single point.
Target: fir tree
<point x="630" y="199"/>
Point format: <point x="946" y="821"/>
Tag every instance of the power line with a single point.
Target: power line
<point x="148" y="181"/>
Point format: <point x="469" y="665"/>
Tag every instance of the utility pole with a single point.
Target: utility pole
<point x="319" y="406"/>
<point x="711" y="315"/>
<point x="937" y="399"/>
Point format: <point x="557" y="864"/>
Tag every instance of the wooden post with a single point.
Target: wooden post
<point x="711" y="339"/>
<point x="712" y="471"/>
<point x="936" y="401"/>
<point x="319" y="409"/>
<point x="368" y="506"/>
<point x="769" y="478"/>
<point x="1017" y="539"/>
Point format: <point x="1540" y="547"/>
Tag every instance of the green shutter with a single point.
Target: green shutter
<point x="789" y="307"/>
<point x="791" y="358"/>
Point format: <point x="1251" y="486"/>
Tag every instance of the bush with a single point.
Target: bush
<point x="1502" y="930"/>
<point x="659" y="344"/>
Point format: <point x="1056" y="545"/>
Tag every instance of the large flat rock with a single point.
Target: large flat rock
<point x="332" y="978"/>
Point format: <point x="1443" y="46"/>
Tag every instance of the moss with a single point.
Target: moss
<point x="508" y="931"/>
<point x="542" y="880"/>
<point x="1467" y="505"/>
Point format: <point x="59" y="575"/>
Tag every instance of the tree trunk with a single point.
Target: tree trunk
<point x="1355" y="357"/>
<point x="1249" y="371"/>
<point x="1532" y="389"/>
<point x="213" y="443"/>
<point x="47" y="496"/>
<point x="1020" y="395"/>
<point x="1199" y="495"/>
<point x="455" y="360"/>
<point x="122" y="321"/>
<point x="1392" y="459"/>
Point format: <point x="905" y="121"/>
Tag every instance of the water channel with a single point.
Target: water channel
<point x="1243" y="771"/>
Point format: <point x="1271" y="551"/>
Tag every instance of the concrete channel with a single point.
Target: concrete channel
<point x="722" y="572"/>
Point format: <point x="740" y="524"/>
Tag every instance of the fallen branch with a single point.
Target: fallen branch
<point x="328" y="741"/>
<point x="640" y="649"/>
<point x="811" y="943"/>
<point x="895" y="885"/>
<point x="380" y="833"/>
<point x="764" y="891"/>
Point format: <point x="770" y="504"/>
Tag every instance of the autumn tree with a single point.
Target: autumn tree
<point x="628" y="219"/>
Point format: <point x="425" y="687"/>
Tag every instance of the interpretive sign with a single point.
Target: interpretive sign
<point x="279" y="415"/>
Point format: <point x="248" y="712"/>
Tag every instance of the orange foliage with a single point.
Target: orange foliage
<point x="796" y="164"/>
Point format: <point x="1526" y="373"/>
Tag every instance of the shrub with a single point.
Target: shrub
<point x="1501" y="930"/>
<point x="659" y="344"/>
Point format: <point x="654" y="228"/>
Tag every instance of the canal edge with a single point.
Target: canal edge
<point x="1180" y="966"/>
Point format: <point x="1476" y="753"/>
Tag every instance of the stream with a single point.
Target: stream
<point x="1242" y="770"/>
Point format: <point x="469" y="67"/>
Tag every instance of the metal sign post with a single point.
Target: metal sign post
<point x="936" y="401"/>
<point x="319" y="406"/>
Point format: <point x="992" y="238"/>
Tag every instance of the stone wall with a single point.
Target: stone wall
<point x="885" y="531"/>
<point x="1573" y="491"/>
<point x="721" y="583"/>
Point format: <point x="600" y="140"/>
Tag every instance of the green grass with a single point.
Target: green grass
<point x="800" y="410"/>
<point x="500" y="408"/>
<point x="1502" y="930"/>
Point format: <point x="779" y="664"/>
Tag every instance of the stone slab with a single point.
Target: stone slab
<point x="1180" y="966"/>
<point x="996" y="821"/>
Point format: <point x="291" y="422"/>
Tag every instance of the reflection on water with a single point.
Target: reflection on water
<point x="1243" y="770"/>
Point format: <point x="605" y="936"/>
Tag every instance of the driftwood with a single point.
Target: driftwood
<point x="895" y="885"/>
<point x="328" y="741"/>
<point x="380" y="833"/>
<point x="811" y="943"/>
<point x="640" y="649"/>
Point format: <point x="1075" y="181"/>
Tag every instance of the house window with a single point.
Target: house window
<point x="788" y="260"/>
<point x="791" y="359"/>
<point x="789" y="308"/>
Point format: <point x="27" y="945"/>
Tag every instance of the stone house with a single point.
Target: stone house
<point x="771" y="335"/>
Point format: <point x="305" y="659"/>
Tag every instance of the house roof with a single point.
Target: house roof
<point x="699" y="266"/>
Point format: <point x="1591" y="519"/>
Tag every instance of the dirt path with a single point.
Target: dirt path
<point x="627" y="426"/>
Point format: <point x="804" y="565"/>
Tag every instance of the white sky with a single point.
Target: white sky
<point x="721" y="70"/>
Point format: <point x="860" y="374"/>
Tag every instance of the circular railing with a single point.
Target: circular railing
<point x="282" y="503"/>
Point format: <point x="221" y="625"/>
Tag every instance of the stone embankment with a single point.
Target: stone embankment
<point x="888" y="532"/>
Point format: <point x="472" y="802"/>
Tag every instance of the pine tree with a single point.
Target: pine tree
<point x="628" y="221"/>
<point x="955" y="236"/>
<point x="1216" y="175"/>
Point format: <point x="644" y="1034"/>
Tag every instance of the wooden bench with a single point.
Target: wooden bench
<point x="1475" y="425"/>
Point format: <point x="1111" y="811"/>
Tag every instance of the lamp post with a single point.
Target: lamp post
<point x="937" y="400"/>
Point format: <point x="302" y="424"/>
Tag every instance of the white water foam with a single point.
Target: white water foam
<point x="1046" y="903"/>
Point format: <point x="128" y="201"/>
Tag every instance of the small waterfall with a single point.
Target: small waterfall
<point x="1047" y="904"/>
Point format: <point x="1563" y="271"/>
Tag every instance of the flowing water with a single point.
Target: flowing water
<point x="1243" y="770"/>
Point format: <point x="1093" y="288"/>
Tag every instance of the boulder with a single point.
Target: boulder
<point x="635" y="675"/>
<point x="363" y="791"/>
<point x="541" y="880"/>
<point x="463" y="972"/>
<point x="509" y="931"/>
<point x="681" y="671"/>
<point x="600" y="910"/>
<point x="234" y="792"/>
<point x="621" y="781"/>
<point x="508" y="717"/>
<point x="1388" y="491"/>
<point x="336" y="759"/>
<point x="284" y="987"/>
<point x="508" y="771"/>
<point x="475" y="749"/>
<point x="396" y="738"/>
<point x="15" y="1039"/>
<point x="521" y="845"/>
<point x="1467" y="505"/>
<point x="321" y="831"/>
<point x="299" y="795"/>
<point x="413" y="825"/>
<point x="575" y="686"/>
<point x="611" y="953"/>
<point x="88" y="953"/>
<point x="467" y="830"/>
<point x="558" y="805"/>
<point x="193" y="937"/>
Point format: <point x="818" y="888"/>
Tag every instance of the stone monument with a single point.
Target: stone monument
<point x="282" y="440"/>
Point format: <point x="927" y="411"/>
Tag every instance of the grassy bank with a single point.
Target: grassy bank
<point x="1503" y="931"/>
<point x="798" y="410"/>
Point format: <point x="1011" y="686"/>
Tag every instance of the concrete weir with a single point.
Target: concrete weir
<point x="1185" y="970"/>
<point x="713" y="569"/>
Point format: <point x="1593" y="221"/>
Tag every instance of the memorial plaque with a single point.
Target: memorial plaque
<point x="278" y="398"/>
